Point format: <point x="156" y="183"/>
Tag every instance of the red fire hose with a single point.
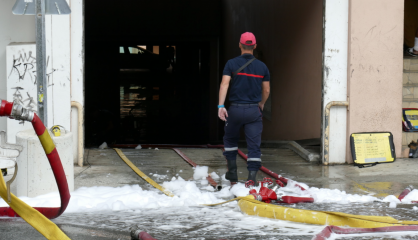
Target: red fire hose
<point x="270" y="173"/>
<point x="189" y="161"/>
<point x="6" y="109"/>
<point x="326" y="233"/>
<point x="405" y="192"/>
<point x="279" y="179"/>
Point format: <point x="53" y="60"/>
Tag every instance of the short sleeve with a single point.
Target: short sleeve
<point x="266" y="75"/>
<point x="227" y="70"/>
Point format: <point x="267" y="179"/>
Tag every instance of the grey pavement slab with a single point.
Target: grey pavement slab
<point x="105" y="168"/>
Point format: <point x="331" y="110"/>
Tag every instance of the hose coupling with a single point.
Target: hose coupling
<point x="21" y="113"/>
<point x="135" y="233"/>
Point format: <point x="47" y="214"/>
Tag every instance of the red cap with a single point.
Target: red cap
<point x="248" y="39"/>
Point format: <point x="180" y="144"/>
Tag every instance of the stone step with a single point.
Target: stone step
<point x="409" y="104"/>
<point x="410" y="64"/>
<point x="405" y="151"/>
<point x="410" y="78"/>
<point x="407" y="137"/>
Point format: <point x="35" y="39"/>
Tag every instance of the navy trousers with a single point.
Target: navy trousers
<point x="249" y="118"/>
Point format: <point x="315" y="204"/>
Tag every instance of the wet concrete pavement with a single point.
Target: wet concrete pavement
<point x="105" y="168"/>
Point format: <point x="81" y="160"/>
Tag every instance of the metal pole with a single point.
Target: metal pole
<point x="41" y="80"/>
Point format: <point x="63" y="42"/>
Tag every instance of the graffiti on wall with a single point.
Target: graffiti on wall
<point x="25" y="66"/>
<point x="28" y="103"/>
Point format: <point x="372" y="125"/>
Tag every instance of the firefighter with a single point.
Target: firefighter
<point x="249" y="82"/>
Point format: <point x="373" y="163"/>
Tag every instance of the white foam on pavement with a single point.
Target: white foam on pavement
<point x="103" y="146"/>
<point x="412" y="196"/>
<point x="214" y="175"/>
<point x="200" y="172"/>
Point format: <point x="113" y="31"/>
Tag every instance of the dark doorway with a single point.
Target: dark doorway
<point x="164" y="93"/>
<point x="151" y="71"/>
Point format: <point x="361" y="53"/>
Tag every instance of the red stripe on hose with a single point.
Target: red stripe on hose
<point x="58" y="170"/>
<point x="38" y="126"/>
<point x="145" y="236"/>
<point x="189" y="161"/>
<point x="404" y="193"/>
<point x="326" y="233"/>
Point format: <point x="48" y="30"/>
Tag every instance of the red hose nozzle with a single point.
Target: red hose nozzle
<point x="6" y="108"/>
<point x="249" y="184"/>
<point x="15" y="111"/>
<point x="405" y="192"/>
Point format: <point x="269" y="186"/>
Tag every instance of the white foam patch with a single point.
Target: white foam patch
<point x="93" y="199"/>
<point x="324" y="195"/>
<point x="412" y="196"/>
<point x="214" y="175"/>
<point x="375" y="235"/>
<point x="223" y="178"/>
<point x="391" y="199"/>
<point x="103" y="146"/>
<point x="239" y="190"/>
<point x="200" y="172"/>
<point x="159" y="176"/>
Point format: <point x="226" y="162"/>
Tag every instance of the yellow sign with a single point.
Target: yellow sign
<point x="372" y="148"/>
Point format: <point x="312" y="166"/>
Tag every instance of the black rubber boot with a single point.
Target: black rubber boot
<point x="252" y="175"/>
<point x="232" y="175"/>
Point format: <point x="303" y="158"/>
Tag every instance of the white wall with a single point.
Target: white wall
<point x="20" y="67"/>
<point x="57" y="31"/>
<point x="12" y="29"/>
<point x="65" y="47"/>
<point x="335" y="75"/>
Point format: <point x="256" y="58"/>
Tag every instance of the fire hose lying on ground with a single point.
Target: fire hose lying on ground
<point x="38" y="217"/>
<point x="251" y="206"/>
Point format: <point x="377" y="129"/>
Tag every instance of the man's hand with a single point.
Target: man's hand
<point x="222" y="114"/>
<point x="261" y="106"/>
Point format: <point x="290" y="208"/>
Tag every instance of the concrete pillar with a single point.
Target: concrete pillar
<point x="335" y="76"/>
<point x="35" y="176"/>
<point x="77" y="65"/>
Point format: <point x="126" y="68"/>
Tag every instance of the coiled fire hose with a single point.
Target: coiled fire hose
<point x="38" y="217"/>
